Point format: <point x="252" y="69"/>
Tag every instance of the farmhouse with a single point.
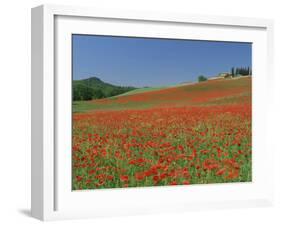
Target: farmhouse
<point x="221" y="76"/>
<point x="224" y="75"/>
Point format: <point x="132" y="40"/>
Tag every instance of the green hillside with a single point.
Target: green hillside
<point x="94" y="88"/>
<point x="149" y="89"/>
<point x="141" y="90"/>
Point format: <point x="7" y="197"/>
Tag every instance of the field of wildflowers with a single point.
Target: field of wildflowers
<point x="189" y="134"/>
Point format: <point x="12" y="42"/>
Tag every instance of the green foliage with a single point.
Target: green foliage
<point x="243" y="71"/>
<point x="202" y="78"/>
<point x="98" y="94"/>
<point x="233" y="71"/>
<point x="82" y="92"/>
<point x="94" y="88"/>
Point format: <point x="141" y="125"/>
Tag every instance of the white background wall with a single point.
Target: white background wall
<point x="15" y="111"/>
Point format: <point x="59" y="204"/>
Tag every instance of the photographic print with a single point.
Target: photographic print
<point x="160" y="112"/>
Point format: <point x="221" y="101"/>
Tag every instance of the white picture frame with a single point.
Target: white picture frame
<point x="52" y="197"/>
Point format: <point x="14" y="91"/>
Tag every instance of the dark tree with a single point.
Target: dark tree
<point x="202" y="78"/>
<point x="98" y="94"/>
<point x="81" y="92"/>
<point x="233" y="71"/>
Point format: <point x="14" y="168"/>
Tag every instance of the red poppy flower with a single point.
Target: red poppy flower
<point x="139" y="176"/>
<point x="79" y="178"/>
<point x="124" y="178"/>
<point x="220" y="172"/>
<point x="156" y="179"/>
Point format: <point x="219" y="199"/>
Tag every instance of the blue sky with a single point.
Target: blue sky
<point x="154" y="62"/>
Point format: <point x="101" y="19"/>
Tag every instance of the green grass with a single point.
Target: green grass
<point x="140" y="90"/>
<point x="150" y="89"/>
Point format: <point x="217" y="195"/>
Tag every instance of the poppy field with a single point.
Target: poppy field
<point x="187" y="134"/>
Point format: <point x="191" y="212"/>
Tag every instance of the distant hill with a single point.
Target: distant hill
<point x="95" y="88"/>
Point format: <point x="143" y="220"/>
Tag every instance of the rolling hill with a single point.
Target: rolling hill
<point x="213" y="92"/>
<point x="95" y="88"/>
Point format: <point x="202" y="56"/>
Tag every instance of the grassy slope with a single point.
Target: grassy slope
<point x="140" y="90"/>
<point x="149" y="89"/>
<point x="206" y="93"/>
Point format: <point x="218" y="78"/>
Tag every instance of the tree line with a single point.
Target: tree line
<point x="241" y="71"/>
<point x="83" y="92"/>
